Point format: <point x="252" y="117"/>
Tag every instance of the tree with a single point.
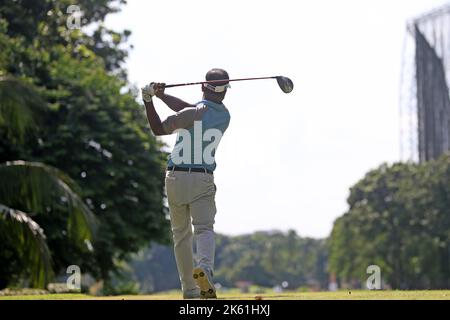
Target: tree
<point x="398" y="219"/>
<point x="36" y="188"/>
<point x="90" y="127"/>
<point x="32" y="187"/>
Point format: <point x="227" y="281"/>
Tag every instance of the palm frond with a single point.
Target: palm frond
<point x="36" y="187"/>
<point x="19" y="103"/>
<point x="29" y="240"/>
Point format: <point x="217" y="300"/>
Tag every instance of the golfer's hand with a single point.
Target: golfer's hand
<point x="159" y="89"/>
<point x="148" y="92"/>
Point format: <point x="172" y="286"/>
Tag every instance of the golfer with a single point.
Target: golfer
<point x="189" y="177"/>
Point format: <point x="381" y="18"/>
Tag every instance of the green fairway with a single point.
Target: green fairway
<point x="341" y="295"/>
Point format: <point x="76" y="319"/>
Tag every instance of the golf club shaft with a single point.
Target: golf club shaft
<point x="215" y="81"/>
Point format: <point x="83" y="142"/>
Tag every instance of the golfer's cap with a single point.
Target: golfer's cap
<point x="217" y="74"/>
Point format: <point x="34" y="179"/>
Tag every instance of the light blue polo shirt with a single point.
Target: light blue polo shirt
<point x="199" y="131"/>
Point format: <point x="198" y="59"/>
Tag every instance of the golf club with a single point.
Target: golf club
<point x="286" y="84"/>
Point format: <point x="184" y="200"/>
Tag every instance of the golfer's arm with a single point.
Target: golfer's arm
<point x="154" y="120"/>
<point x="175" y="103"/>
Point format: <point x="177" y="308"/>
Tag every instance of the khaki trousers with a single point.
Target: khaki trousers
<point x="191" y="197"/>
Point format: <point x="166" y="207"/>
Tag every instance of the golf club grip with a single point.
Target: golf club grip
<point x="214" y="81"/>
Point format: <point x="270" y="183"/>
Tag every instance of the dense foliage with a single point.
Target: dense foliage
<point x="399" y="219"/>
<point x="65" y="102"/>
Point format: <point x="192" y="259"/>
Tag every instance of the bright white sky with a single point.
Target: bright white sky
<point x="286" y="161"/>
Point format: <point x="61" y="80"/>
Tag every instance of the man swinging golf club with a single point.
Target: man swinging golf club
<point x="189" y="178"/>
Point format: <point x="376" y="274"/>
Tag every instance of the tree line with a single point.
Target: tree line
<point x="265" y="259"/>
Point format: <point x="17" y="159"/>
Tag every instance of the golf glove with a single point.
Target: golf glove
<point x="148" y="92"/>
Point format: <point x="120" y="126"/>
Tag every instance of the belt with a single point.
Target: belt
<point x="204" y="170"/>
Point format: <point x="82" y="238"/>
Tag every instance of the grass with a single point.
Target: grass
<point x="340" y="295"/>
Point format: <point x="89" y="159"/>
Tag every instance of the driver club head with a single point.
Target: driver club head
<point x="285" y="84"/>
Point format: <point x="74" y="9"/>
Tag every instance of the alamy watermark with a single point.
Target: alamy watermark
<point x="374" y="280"/>
<point x="182" y="152"/>
<point x="74" y="18"/>
<point x="74" y="280"/>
